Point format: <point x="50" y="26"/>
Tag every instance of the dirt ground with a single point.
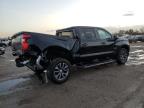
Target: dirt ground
<point x="106" y="86"/>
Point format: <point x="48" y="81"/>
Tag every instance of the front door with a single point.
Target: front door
<point x="95" y="42"/>
<point x="106" y="41"/>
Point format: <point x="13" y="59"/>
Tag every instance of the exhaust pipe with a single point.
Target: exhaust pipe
<point x="21" y="64"/>
<point x="39" y="66"/>
<point x="25" y="62"/>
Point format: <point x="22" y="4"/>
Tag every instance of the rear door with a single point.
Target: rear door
<point x="89" y="43"/>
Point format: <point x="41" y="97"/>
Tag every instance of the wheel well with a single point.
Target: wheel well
<point x="35" y="48"/>
<point x="55" y="51"/>
<point x="126" y="47"/>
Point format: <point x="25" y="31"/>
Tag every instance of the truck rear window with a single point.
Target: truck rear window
<point x="65" y="34"/>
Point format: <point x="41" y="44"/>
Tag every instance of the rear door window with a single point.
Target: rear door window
<point x="87" y="35"/>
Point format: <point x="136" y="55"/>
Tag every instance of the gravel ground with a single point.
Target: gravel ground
<point x="106" y="86"/>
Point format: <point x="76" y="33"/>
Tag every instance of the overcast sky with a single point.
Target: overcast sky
<point x="48" y="15"/>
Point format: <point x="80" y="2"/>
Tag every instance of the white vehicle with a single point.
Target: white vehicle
<point x="2" y="50"/>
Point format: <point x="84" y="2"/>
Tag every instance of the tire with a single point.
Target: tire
<point x="1" y="53"/>
<point x="122" y="56"/>
<point x="59" y="70"/>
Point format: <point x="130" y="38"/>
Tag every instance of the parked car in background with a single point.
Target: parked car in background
<point x="3" y="44"/>
<point x="139" y="38"/>
<point x="135" y="38"/>
<point x="2" y="50"/>
<point x="132" y="38"/>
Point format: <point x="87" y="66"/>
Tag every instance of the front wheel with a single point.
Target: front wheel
<point x="122" y="56"/>
<point x="59" y="70"/>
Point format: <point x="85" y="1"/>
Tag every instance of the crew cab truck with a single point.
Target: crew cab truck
<point x="81" y="46"/>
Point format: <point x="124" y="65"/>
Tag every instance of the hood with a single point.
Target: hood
<point x="121" y="39"/>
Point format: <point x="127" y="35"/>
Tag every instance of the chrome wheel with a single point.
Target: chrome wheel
<point x="61" y="71"/>
<point x="123" y="55"/>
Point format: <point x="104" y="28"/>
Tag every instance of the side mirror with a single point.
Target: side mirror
<point x="115" y="37"/>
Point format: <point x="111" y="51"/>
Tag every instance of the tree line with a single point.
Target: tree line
<point x="130" y="32"/>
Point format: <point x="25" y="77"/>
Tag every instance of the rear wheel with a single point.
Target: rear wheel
<point x="122" y="56"/>
<point x="0" y="52"/>
<point x="59" y="70"/>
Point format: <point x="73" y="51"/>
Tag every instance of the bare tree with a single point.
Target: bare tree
<point x="142" y="30"/>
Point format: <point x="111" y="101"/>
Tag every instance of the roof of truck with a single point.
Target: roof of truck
<point x="73" y="27"/>
<point x="77" y="27"/>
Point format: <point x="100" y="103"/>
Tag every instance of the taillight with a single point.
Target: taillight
<point x="25" y="44"/>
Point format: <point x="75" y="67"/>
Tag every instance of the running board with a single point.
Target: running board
<point x="96" y="64"/>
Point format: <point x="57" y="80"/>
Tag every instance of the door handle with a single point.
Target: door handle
<point x="104" y="43"/>
<point x="84" y="44"/>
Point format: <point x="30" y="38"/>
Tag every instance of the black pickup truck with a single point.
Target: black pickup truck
<point x="81" y="46"/>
